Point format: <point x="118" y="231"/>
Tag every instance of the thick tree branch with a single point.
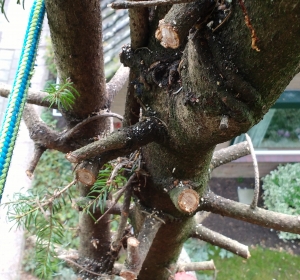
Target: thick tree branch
<point x="229" y="154"/>
<point x="130" y="4"/>
<point x="217" y="239"/>
<point x="40" y="133"/>
<point x="127" y="139"/>
<point x="269" y="219"/>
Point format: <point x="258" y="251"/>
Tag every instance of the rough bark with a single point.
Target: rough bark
<point x="188" y="90"/>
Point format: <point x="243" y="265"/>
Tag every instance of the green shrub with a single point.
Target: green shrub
<point x="282" y="193"/>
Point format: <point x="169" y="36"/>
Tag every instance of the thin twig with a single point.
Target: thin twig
<point x="73" y="130"/>
<point x="120" y="193"/>
<point x="256" y="173"/>
<point x="129" y="4"/>
<point x="123" y="219"/>
<point x="55" y="195"/>
<point x="78" y="265"/>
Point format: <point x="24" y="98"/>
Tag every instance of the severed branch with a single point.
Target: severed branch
<point x="269" y="219"/>
<point x="127" y="139"/>
<point x="195" y="266"/>
<point x="215" y="238"/>
<point x="139" y="252"/>
<point x="256" y="173"/>
<point x="129" y="4"/>
<point x="229" y="154"/>
<point x="174" y="28"/>
<point x="38" y="152"/>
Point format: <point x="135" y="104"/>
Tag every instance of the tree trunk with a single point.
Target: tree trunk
<point x="189" y="89"/>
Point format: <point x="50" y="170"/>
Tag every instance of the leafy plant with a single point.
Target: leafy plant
<point x="282" y="192"/>
<point x="63" y="95"/>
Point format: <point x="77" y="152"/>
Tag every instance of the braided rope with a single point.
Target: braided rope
<point x="17" y="97"/>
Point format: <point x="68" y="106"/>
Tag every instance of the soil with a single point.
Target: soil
<point x="243" y="232"/>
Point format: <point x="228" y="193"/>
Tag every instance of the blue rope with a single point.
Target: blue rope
<point x="17" y="97"/>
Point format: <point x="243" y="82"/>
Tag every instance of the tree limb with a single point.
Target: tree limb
<point x="33" y="96"/>
<point x="269" y="219"/>
<point x="69" y="133"/>
<point x="145" y="239"/>
<point x="129" y="4"/>
<point x="117" y="82"/>
<point x="229" y="154"/>
<point x="38" y="152"/>
<point x="256" y="173"/>
<point x="127" y="139"/>
<point x="123" y="219"/>
<point x="195" y="266"/>
<point x="42" y="134"/>
<point x="217" y="239"/>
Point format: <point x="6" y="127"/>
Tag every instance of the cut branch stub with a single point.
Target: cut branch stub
<point x="87" y="171"/>
<point x="167" y="35"/>
<point x="186" y="200"/>
<point x="133" y="259"/>
<point x="173" y="30"/>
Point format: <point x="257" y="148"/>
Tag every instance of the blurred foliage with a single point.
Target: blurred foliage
<point x="50" y="58"/>
<point x="282" y="192"/>
<point x="284" y="124"/>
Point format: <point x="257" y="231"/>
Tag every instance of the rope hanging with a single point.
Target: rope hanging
<point x="17" y="97"/>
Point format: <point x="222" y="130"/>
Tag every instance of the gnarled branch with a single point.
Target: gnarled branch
<point x="127" y="139"/>
<point x="269" y="219"/>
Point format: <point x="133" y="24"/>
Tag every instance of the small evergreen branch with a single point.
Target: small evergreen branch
<point x="102" y="187"/>
<point x="62" y="95"/>
<point x="41" y="216"/>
